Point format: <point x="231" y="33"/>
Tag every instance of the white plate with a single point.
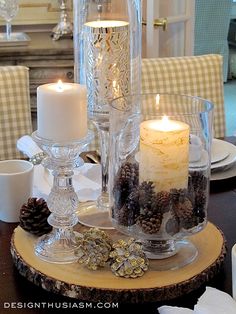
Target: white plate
<point x="225" y="147"/>
<point x="224" y="174"/>
<point x="218" y="152"/>
<point x="203" y="162"/>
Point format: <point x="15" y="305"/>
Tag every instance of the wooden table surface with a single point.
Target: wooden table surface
<point x="25" y="297"/>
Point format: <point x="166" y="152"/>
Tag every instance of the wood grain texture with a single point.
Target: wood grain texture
<point x="75" y="281"/>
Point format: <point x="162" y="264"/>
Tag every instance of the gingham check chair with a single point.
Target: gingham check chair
<point x="15" y="116"/>
<point x="196" y="75"/>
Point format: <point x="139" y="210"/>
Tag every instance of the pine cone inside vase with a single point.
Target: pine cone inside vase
<point x="149" y="222"/>
<point x="125" y="181"/>
<point x="33" y="216"/>
<point x="184" y="212"/>
<point x="161" y="202"/>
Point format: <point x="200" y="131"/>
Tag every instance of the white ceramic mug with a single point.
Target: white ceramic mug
<point x="16" y="183"/>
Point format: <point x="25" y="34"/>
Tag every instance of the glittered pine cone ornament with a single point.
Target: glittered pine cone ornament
<point x="94" y="247"/>
<point x="33" y="216"/>
<point x="128" y="259"/>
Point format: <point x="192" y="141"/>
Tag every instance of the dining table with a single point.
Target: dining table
<point x="18" y="295"/>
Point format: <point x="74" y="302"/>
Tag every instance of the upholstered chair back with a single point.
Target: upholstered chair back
<point x="195" y="75"/>
<point x="15" y="115"/>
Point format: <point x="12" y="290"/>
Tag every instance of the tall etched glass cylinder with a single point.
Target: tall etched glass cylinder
<point x="107" y="42"/>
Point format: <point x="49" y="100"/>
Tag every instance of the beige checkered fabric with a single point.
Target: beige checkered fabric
<point x="15" y="116"/>
<point x="196" y="75"/>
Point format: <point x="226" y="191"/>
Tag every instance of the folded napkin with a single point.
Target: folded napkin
<point x="212" y="301"/>
<point x="27" y="145"/>
<point x="85" y="181"/>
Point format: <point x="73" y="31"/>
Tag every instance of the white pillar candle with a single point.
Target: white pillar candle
<point x="62" y="111"/>
<point x="164" y="153"/>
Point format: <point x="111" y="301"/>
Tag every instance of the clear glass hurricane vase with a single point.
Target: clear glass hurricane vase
<point x="107" y="42"/>
<point x="8" y="10"/>
<point x="159" y="172"/>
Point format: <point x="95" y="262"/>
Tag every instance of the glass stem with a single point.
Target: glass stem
<point x="8" y="30"/>
<point x="62" y="200"/>
<point x="104" y="146"/>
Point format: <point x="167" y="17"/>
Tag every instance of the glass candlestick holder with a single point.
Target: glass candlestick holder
<point x="159" y="172"/>
<point x="58" y="246"/>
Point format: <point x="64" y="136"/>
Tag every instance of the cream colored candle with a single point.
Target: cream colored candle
<point x="164" y="153"/>
<point x="62" y="111"/>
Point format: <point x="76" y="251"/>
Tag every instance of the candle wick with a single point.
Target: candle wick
<point x="60" y="88"/>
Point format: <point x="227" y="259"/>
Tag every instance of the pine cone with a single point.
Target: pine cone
<point x="200" y="200"/>
<point x="33" y="216"/>
<point x="128" y="260"/>
<point x="150" y="223"/>
<point x="132" y="203"/>
<point x="128" y="173"/>
<point x="178" y="195"/>
<point x="124" y="216"/>
<point x="198" y="185"/>
<point x="126" y="180"/>
<point x="197" y="181"/>
<point x="184" y="212"/>
<point x="161" y="202"/>
<point x="200" y="206"/>
<point x="146" y="194"/>
<point x="94" y="247"/>
<point x="132" y="208"/>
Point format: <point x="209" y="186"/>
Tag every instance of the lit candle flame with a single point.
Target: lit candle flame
<point x="60" y="86"/>
<point x="165" y="123"/>
<point x="165" y="119"/>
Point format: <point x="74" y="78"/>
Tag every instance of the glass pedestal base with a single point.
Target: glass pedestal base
<point x="172" y="255"/>
<point x="57" y="247"/>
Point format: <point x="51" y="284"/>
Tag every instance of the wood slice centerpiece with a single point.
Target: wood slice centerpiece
<point x="76" y="281"/>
